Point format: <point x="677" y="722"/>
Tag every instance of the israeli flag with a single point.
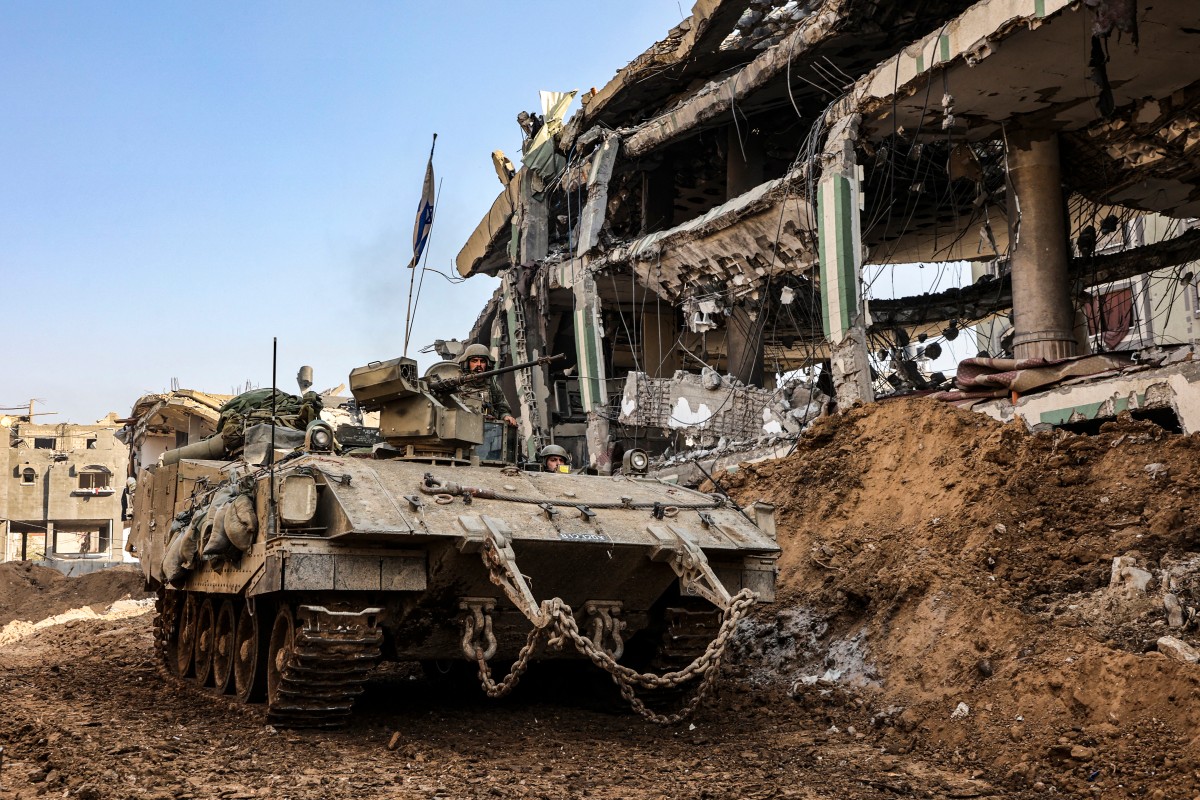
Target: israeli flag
<point x="424" y="212"/>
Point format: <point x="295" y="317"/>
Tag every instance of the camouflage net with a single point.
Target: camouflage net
<point x="291" y="411"/>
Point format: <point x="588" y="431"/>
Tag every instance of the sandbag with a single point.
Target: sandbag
<point x="216" y="543"/>
<point x="173" y="567"/>
<point x="241" y="523"/>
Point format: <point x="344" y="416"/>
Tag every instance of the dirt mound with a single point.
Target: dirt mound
<point x="934" y="557"/>
<point x="31" y="592"/>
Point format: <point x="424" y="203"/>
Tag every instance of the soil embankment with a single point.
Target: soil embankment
<point x="30" y="592"/>
<point x="934" y="557"/>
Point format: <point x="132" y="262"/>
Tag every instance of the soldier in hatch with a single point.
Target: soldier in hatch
<point x="477" y="358"/>
<point x="490" y="397"/>
<point x="555" y="459"/>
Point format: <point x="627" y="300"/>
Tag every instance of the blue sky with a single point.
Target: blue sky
<point x="180" y="182"/>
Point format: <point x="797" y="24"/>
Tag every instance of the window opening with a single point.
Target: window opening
<point x="94" y="480"/>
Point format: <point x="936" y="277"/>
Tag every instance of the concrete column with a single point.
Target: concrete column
<point x="591" y="220"/>
<point x="50" y="544"/>
<point x="659" y="335"/>
<point x="744" y="344"/>
<point x="525" y="344"/>
<point x="1043" y="318"/>
<point x="534" y="216"/>
<point x="593" y="392"/>
<point x="839" y="245"/>
<point x="743" y="162"/>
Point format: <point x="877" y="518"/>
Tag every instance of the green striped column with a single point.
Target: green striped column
<point x="588" y="334"/>
<point x="519" y="355"/>
<point x="839" y="244"/>
<point x="840" y="248"/>
<point x="508" y="302"/>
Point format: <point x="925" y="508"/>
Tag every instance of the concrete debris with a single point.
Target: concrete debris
<point x="1178" y="650"/>
<point x="1128" y="579"/>
<point x="1180" y="581"/>
<point x="1182" y="575"/>
<point x="709" y="407"/>
<point x="792" y="652"/>
<point x="693" y="467"/>
<point x="1156" y="470"/>
<point x="961" y="711"/>
<point x="766" y="22"/>
<point x="1174" y="610"/>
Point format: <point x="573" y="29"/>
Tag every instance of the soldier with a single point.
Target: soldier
<point x="555" y="459"/>
<point x="476" y="358"/>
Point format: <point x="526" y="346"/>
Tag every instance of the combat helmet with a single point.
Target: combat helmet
<point x="554" y="450"/>
<point x="475" y="351"/>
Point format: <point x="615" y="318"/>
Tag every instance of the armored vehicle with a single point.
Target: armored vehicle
<point x="287" y="569"/>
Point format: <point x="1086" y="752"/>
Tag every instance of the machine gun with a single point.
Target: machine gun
<point x="426" y="419"/>
<point x="443" y="385"/>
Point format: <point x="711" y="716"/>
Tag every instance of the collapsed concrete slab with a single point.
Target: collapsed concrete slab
<point x="1174" y="388"/>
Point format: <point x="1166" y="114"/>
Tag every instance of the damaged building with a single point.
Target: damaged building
<point x="61" y="495"/>
<point x="165" y="421"/>
<point x="695" y="236"/>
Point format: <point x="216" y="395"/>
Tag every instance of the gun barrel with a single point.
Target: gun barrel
<point x="450" y="384"/>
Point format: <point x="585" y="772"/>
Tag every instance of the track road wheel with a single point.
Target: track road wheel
<point x="185" y="643"/>
<point x="249" y="656"/>
<point x="205" y="622"/>
<point x="223" y="643"/>
<point x="279" y="652"/>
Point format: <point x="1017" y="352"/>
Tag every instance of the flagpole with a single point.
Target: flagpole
<point x="413" y="277"/>
<point x="424" y="261"/>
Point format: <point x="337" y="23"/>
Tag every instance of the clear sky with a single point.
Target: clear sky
<point x="182" y="181"/>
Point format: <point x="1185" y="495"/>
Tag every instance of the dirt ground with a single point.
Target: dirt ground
<point x="947" y="626"/>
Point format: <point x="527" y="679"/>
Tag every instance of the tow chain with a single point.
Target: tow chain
<point x="562" y="620"/>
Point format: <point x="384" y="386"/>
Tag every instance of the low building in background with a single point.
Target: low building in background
<point x="61" y="493"/>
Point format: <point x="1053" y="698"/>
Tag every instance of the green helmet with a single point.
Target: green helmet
<point x="553" y="450"/>
<point x="475" y="351"/>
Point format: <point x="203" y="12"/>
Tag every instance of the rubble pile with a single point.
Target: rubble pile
<point x="1019" y="603"/>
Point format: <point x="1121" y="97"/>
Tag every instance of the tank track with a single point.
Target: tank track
<point x="687" y="635"/>
<point x="165" y="616"/>
<point x="164" y="620"/>
<point x="324" y="671"/>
